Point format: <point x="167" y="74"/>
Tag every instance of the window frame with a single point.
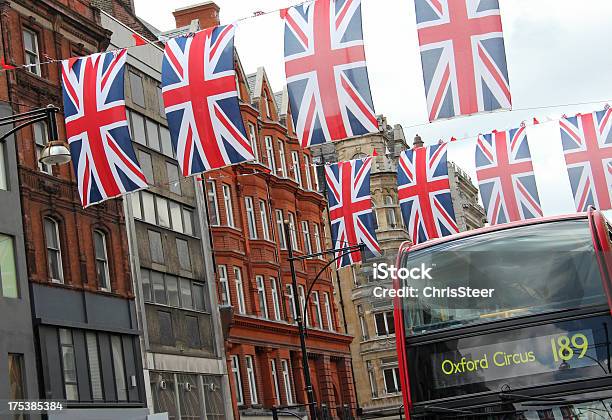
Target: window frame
<point x="36" y="68"/>
<point x="239" y="284"/>
<point x="293" y="231"/>
<point x="250" y="214"/>
<point x="263" y="216"/>
<point x="270" y="155"/>
<point x="280" y="227"/>
<point x="317" y="304"/>
<point x="58" y="251"/>
<point x="328" y="311"/>
<point x="396" y="383"/>
<point x="224" y="282"/>
<point x="253" y="139"/>
<point x="251" y="378"/>
<point x="235" y="368"/>
<point x="295" y="163"/>
<point x="13" y="269"/>
<point x="307" y="172"/>
<point x="274" y="292"/>
<point x="211" y="194"/>
<point x="385" y="316"/>
<point x="229" y="209"/>
<point x="283" y="158"/>
<point x="286" y="369"/>
<point x="108" y="286"/>
<point x="261" y="296"/>
<point x="306" y="237"/>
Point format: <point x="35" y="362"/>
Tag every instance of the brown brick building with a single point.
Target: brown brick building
<point x="246" y="206"/>
<point x="77" y="259"/>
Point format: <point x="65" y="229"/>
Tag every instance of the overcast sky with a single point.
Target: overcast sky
<point x="557" y="50"/>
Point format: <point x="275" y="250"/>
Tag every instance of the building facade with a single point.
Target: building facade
<point x="183" y="355"/>
<point x="82" y="301"/>
<point x="367" y="318"/>
<point x="17" y="354"/>
<point x="247" y="205"/>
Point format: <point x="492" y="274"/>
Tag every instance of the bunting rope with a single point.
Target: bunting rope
<point x="138" y="40"/>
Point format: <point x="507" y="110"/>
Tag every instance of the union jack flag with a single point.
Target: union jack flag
<point x="327" y="77"/>
<point x="587" y="145"/>
<point x="505" y="176"/>
<point x="424" y="193"/>
<point x="96" y="126"/>
<point x="201" y="101"/>
<point x="463" y="57"/>
<point x="350" y="208"/>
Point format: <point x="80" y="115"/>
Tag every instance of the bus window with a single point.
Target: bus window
<point x="533" y="269"/>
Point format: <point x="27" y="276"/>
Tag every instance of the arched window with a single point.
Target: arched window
<point x="54" y="251"/>
<point x="102" y="271"/>
<point x="359" y="156"/>
<point x="390" y="211"/>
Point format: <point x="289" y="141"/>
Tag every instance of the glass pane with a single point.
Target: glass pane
<point x="172" y="289"/>
<point x="188" y="221"/>
<point x="68" y="364"/>
<point x="120" y="381"/>
<point x="166" y="334"/>
<point x="192" y="328"/>
<point x="198" y="297"/>
<point x="175" y="215"/>
<point x="182" y="248"/>
<point x="51" y="234"/>
<point x="158" y="287"/>
<point x="173" y="178"/>
<point x="162" y="212"/>
<point x="148" y="207"/>
<point x="29" y="41"/>
<point x="138" y="128"/>
<point x="166" y="143"/>
<point x="557" y="266"/>
<point x="100" y="246"/>
<point x="72" y="392"/>
<point x="186" y="300"/>
<point x="147" y="166"/>
<point x="145" y="276"/>
<point x="137" y="89"/>
<point x="65" y="336"/>
<point x="152" y="134"/>
<point x="93" y="360"/>
<point x="155" y="246"/>
<point x="15" y="374"/>
<point x="8" y="273"/>
<point x="136" y="209"/>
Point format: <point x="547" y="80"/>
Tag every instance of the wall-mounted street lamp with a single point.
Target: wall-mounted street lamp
<point x="56" y="151"/>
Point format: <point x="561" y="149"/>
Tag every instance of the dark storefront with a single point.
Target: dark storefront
<point x="90" y="354"/>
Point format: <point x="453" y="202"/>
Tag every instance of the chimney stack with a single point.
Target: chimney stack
<point x="418" y="142"/>
<point x="206" y="13"/>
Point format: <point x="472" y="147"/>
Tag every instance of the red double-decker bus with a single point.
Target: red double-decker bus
<point x="513" y="322"/>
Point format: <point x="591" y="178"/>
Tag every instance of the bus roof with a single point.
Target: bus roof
<point x="407" y="245"/>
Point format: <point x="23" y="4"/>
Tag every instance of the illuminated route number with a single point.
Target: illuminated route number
<point x="563" y="347"/>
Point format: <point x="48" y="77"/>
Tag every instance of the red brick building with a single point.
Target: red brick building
<point x="246" y="205"/>
<point x="77" y="259"/>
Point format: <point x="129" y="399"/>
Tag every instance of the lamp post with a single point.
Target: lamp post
<point x="55" y="152"/>
<point x="300" y="311"/>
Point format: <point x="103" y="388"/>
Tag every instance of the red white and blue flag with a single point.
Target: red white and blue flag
<point x="587" y="145"/>
<point x="96" y="127"/>
<point x="424" y="193"/>
<point x="327" y="77"/>
<point x="201" y="101"/>
<point x="505" y="177"/>
<point x="350" y="208"/>
<point x="463" y="57"/>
